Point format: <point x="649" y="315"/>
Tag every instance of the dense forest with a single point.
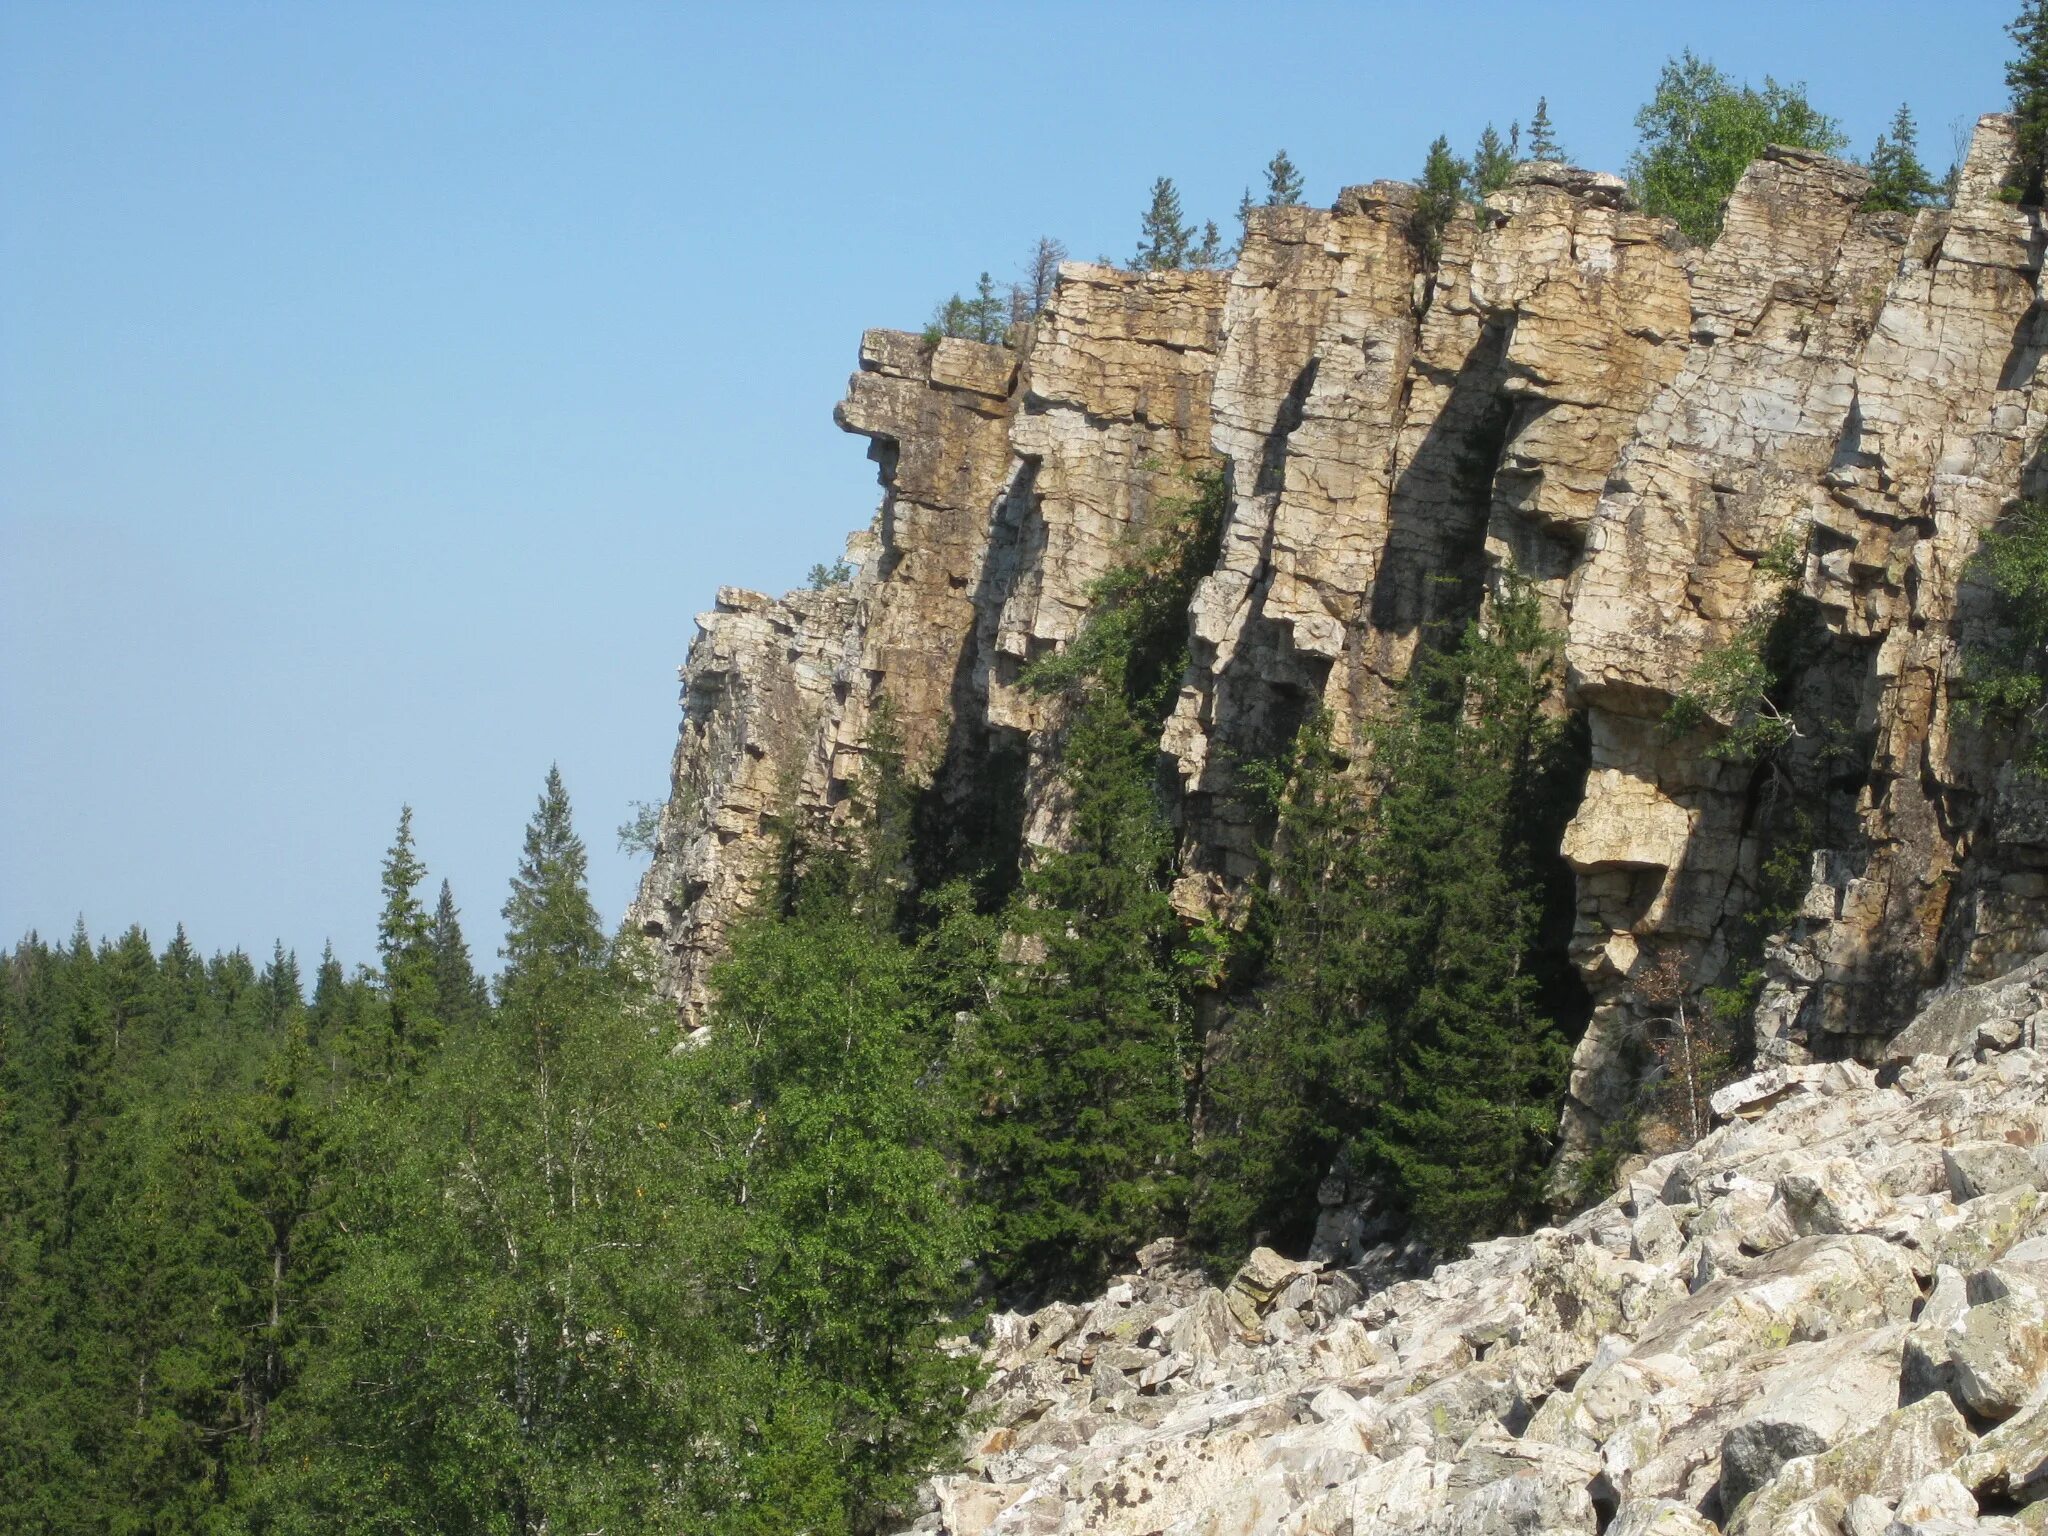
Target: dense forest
<point x="410" y="1249"/>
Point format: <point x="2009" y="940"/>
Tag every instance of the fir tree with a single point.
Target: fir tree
<point x="1283" y="182"/>
<point x="1402" y="1033"/>
<point x="1543" y="144"/>
<point x="1210" y="252"/>
<point x="1473" y="1064"/>
<point x="1492" y="162"/>
<point x="1164" y="241"/>
<point x="1444" y="181"/>
<point x="1899" y="183"/>
<point x="553" y="939"/>
<point x="404" y="937"/>
<point x="1074" y="1073"/>
<point x="514" y="1338"/>
<point x="461" y="993"/>
<point x="2026" y="76"/>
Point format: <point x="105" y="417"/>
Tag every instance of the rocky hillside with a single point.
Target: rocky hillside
<point x="1656" y="435"/>
<point x="1827" y="1318"/>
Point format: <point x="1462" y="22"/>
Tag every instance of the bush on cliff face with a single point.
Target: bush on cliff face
<point x="1403" y="1019"/>
<point x="1700" y="132"/>
<point x="2005" y="669"/>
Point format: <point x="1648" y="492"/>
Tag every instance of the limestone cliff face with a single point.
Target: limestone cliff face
<point x="1571" y="393"/>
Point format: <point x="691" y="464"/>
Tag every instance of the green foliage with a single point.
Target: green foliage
<point x="640" y="832"/>
<point x="851" y="1248"/>
<point x="1445" y="180"/>
<point x="1075" y="1071"/>
<point x="1543" y="143"/>
<point x="404" y="940"/>
<point x="1701" y="130"/>
<point x="1165" y="240"/>
<point x="825" y="577"/>
<point x="1899" y="183"/>
<point x="2026" y="76"/>
<point x="2005" y="666"/>
<point x="553" y="941"/>
<point x="1734" y="687"/>
<point x="983" y="318"/>
<point x="1284" y="184"/>
<point x="1402" y="1026"/>
<point x="1492" y="163"/>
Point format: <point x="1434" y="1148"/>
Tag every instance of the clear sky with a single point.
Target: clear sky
<point x="384" y="387"/>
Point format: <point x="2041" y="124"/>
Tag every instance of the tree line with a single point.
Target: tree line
<point x="1698" y="133"/>
<point x="424" y="1254"/>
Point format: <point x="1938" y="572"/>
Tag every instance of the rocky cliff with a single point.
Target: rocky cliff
<point x="1829" y="1317"/>
<point x="1651" y="433"/>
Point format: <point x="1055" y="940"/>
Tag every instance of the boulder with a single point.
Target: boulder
<point x="1977" y="1168"/>
<point x="2000" y="1354"/>
<point x="1904" y="1446"/>
<point x="2011" y="1463"/>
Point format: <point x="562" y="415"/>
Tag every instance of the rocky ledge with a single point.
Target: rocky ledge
<point x="1829" y="1317"/>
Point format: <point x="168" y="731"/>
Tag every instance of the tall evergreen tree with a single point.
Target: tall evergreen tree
<point x="2026" y="76"/>
<point x="1898" y="181"/>
<point x="1284" y="183"/>
<point x="515" y="1340"/>
<point x="553" y="939"/>
<point x="404" y="937"/>
<point x="1075" y="1073"/>
<point x="459" y="991"/>
<point x="1543" y="143"/>
<point x="1403" y="1030"/>
<point x="1165" y="240"/>
<point x="1492" y="163"/>
<point x="1444" y="181"/>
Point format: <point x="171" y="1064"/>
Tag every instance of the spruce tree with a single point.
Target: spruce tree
<point x="404" y="937"/>
<point x="461" y="993"/>
<point x="1284" y="183"/>
<point x="1210" y="252"/>
<point x="1473" y="1064"/>
<point x="1543" y="144"/>
<point x="1899" y="183"/>
<point x="1074" y="1074"/>
<point x="553" y="939"/>
<point x="1443" y="194"/>
<point x="2026" y="76"/>
<point x="1164" y="240"/>
<point x="1492" y="162"/>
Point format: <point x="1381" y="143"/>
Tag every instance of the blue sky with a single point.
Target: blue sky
<point x="384" y="387"/>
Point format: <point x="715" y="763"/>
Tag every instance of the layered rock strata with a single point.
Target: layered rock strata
<point x="1829" y="1316"/>
<point x="1648" y="432"/>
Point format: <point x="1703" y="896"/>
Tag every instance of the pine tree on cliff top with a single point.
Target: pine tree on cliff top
<point x="1543" y="144"/>
<point x="1444" y="181"/>
<point x="1492" y="162"/>
<point x="1899" y="183"/>
<point x="2026" y="75"/>
<point x="1283" y="182"/>
<point x="1164" y="239"/>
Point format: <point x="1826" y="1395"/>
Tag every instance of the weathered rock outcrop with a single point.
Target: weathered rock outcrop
<point x="1735" y="1341"/>
<point x="1573" y="394"/>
